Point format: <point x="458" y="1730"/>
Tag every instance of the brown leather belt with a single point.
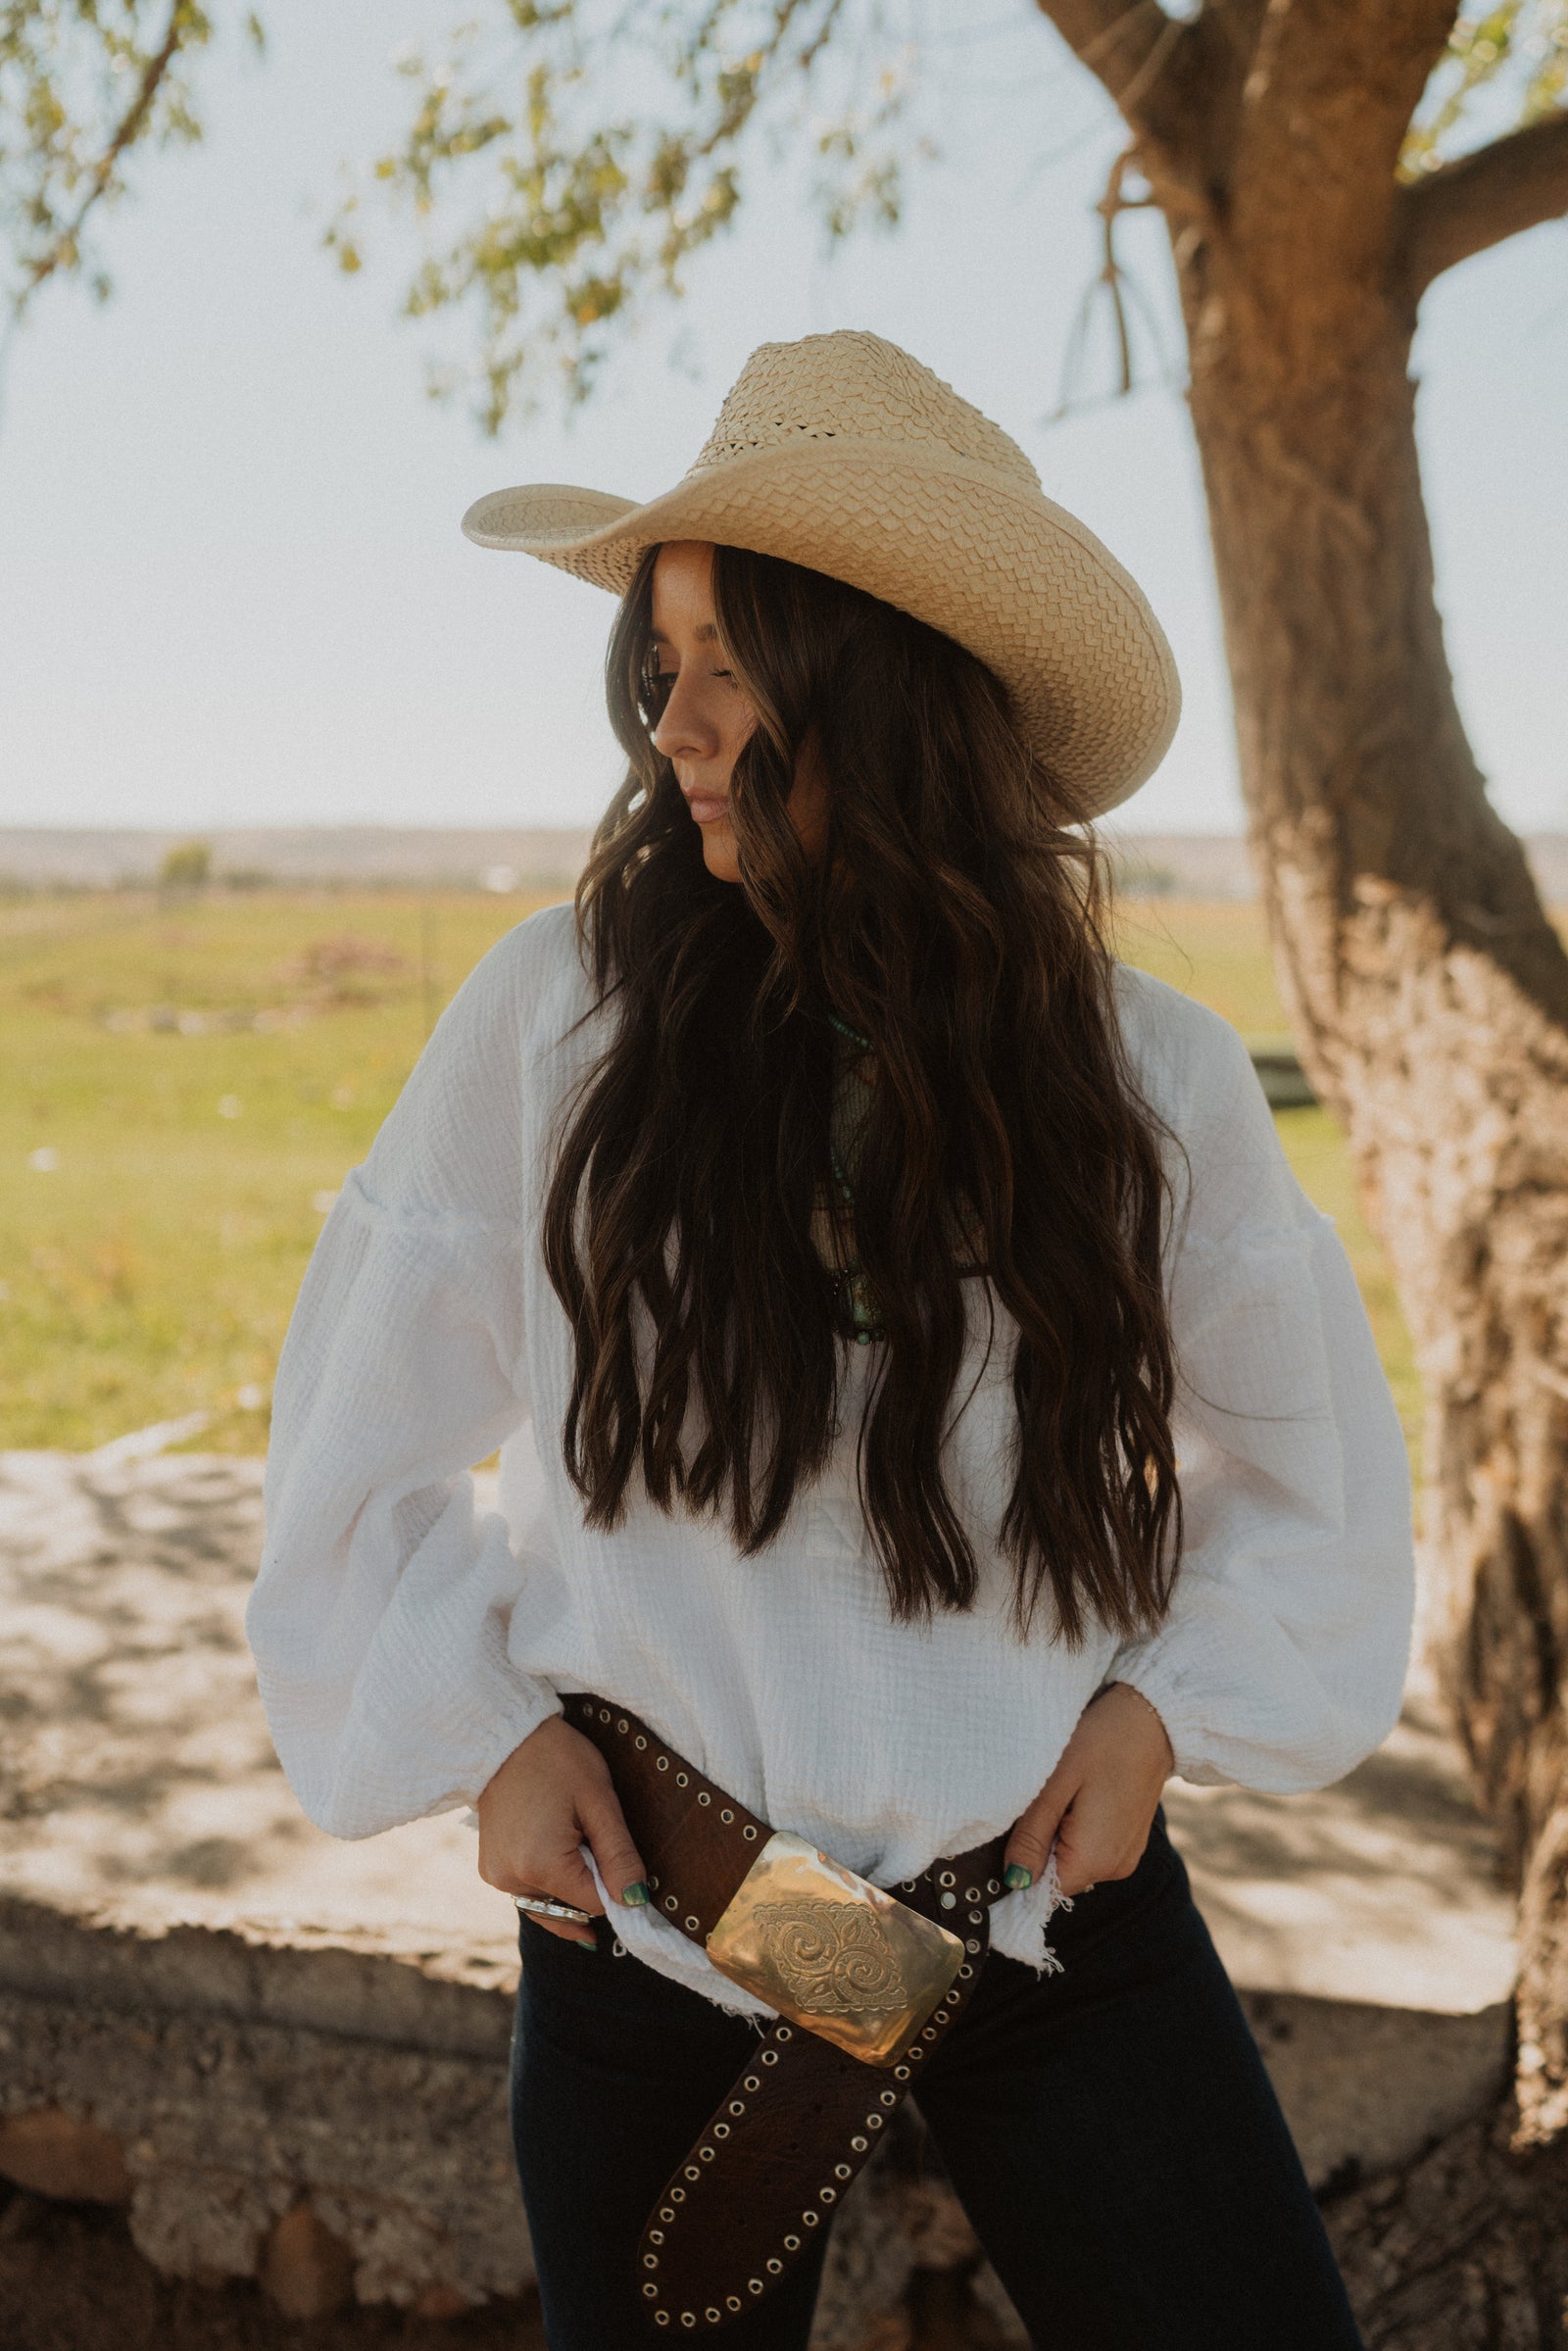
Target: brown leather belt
<point x="867" y="1984"/>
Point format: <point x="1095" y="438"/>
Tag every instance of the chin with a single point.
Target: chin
<point x="721" y="855"/>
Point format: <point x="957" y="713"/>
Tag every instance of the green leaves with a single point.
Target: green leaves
<point x="83" y="82"/>
<point x="564" y="163"/>
<point x="1508" y="63"/>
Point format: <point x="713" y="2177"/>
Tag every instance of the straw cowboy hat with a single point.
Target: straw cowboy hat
<point x="843" y="454"/>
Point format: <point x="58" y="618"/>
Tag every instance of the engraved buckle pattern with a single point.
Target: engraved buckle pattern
<point x="833" y="1953"/>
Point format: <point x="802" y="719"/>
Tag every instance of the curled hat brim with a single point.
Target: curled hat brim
<point x="994" y="563"/>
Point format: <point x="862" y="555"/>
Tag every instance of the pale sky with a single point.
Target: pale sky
<point x="232" y="588"/>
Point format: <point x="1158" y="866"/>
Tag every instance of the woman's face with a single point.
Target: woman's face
<point x="708" y="719"/>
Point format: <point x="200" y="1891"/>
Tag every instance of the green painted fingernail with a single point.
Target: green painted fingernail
<point x="1015" y="1877"/>
<point x="635" y="1896"/>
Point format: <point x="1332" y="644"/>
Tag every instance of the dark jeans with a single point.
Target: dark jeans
<point x="1110" y="2132"/>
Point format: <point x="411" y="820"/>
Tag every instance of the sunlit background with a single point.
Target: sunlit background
<point x="234" y="593"/>
<point x="233" y="589"/>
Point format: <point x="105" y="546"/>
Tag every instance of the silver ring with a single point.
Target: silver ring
<point x="552" y="1909"/>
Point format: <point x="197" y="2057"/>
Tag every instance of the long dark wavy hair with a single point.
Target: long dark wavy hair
<point x="956" y="925"/>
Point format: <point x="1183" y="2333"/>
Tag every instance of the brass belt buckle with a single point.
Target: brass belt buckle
<point x="832" y="1952"/>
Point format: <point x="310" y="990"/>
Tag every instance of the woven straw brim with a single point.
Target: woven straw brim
<point x="1013" y="577"/>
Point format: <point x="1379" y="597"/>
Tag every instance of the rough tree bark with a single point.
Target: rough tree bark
<point x="1428" y="989"/>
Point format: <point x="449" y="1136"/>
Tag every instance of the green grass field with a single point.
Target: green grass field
<point x="188" y="1082"/>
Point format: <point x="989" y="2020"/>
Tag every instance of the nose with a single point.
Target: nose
<point x="683" y="731"/>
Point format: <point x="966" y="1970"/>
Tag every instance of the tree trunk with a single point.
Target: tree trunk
<point x="1428" y="990"/>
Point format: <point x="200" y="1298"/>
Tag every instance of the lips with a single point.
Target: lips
<point x="706" y="806"/>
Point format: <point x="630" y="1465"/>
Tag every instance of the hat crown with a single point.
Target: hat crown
<point x="852" y="386"/>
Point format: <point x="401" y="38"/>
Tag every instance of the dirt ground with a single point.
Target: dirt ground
<point x="1466" y="2250"/>
<point x="70" y="2280"/>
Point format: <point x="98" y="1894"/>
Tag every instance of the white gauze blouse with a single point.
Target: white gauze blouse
<point x="406" y="1643"/>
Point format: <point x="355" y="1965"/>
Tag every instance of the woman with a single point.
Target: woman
<point x="930" y="1415"/>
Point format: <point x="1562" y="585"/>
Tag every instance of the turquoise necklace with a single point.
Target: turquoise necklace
<point x="857" y="1294"/>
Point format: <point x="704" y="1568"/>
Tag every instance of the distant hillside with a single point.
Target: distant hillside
<point x="40" y="857"/>
<point x="1175" y="865"/>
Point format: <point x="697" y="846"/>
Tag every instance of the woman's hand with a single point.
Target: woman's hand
<point x="1099" y="1804"/>
<point x="550" y="1795"/>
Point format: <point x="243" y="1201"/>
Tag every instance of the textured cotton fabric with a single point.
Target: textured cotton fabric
<point x="406" y="1644"/>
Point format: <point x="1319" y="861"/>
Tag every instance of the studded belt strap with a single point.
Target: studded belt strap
<point x="805" y="2114"/>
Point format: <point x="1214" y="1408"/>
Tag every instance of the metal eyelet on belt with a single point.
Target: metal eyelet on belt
<point x="971" y="1893"/>
<point x="841" y="2170"/>
<point x="947" y="1879"/>
<point x="792" y="2244"/>
<point x="671" y="1902"/>
<point x="726" y="1814"/>
<point x="810" y="2219"/>
<point x="859" y="2145"/>
<point x="639" y="1740"/>
<point x="604" y="1714"/>
<point x="703" y="1797"/>
<point x="749" y="1832"/>
<point x="663" y="1763"/>
<point x="993" y="1886"/>
<point x="681" y="1780"/>
<point x="775" y="2267"/>
<point x="692" y="1925"/>
<point x="623" y="1723"/>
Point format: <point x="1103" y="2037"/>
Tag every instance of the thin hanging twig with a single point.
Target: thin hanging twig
<point x="1111" y="285"/>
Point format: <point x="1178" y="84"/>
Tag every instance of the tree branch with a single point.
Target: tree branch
<point x="1151" y="64"/>
<point x="129" y="128"/>
<point x="1514" y="184"/>
<point x="1177" y="81"/>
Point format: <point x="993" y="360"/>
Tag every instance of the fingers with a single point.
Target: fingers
<point x="551" y="1793"/>
<point x="1036" y="1830"/>
<point x="608" y="1840"/>
<point x="1093" y="1849"/>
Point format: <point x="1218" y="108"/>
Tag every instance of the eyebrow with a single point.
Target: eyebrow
<point x="706" y="634"/>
